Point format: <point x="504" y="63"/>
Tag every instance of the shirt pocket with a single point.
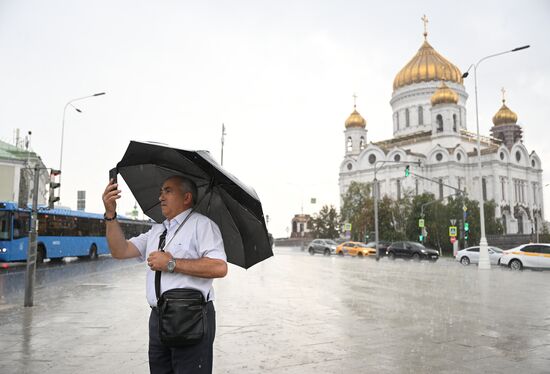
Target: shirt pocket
<point x="181" y="250"/>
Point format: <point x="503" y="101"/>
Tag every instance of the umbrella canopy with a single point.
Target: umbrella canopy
<point x="234" y="207"/>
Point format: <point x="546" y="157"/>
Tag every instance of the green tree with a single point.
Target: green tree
<point x="326" y="223"/>
<point x="357" y="209"/>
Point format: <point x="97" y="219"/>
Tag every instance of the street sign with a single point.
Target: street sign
<point x="453" y="222"/>
<point x="465" y="208"/>
<point x="452" y="231"/>
<point x="421" y="222"/>
<point x="453" y="239"/>
<point x="347" y="226"/>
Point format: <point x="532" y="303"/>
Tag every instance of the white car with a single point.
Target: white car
<point x="470" y="255"/>
<point x="532" y="255"/>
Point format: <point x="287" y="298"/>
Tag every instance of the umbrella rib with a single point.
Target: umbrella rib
<point x="152" y="206"/>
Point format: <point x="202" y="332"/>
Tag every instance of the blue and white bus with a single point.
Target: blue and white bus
<point x="61" y="233"/>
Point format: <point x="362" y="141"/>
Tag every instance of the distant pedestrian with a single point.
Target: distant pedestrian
<point x="193" y="255"/>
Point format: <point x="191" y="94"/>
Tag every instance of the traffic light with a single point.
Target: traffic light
<point x="466" y="230"/>
<point x="407" y="171"/>
<point x="421" y="237"/>
<point x="53" y="185"/>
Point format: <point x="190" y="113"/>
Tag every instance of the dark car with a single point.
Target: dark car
<point x="413" y="250"/>
<point x="324" y="246"/>
<point x="382" y="248"/>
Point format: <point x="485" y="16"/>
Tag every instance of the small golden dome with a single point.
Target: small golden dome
<point x="426" y="66"/>
<point x="504" y="115"/>
<point x="444" y="95"/>
<point x="355" y="120"/>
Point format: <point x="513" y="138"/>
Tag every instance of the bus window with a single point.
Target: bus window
<point x="21" y="225"/>
<point x="5" y="225"/>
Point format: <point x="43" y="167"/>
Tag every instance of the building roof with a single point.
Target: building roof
<point x="11" y="152"/>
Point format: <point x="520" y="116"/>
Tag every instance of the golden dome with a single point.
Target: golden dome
<point x="504" y="115"/>
<point x="355" y="120"/>
<point x="427" y="65"/>
<point x="444" y="95"/>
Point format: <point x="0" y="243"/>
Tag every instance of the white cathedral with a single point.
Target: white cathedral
<point x="430" y="127"/>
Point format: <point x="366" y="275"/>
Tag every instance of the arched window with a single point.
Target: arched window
<point x="349" y="145"/>
<point x="520" y="224"/>
<point x="439" y="121"/>
<point x="454" y="122"/>
<point x="398" y="185"/>
<point x="397" y="120"/>
<point x="420" y="115"/>
<point x="362" y="143"/>
<point x="504" y="224"/>
<point x="407" y="118"/>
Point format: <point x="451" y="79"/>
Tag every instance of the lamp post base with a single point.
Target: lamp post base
<point x="484" y="262"/>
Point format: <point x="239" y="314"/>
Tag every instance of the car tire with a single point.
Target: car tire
<point x="311" y="251"/>
<point x="416" y="257"/>
<point x="516" y="265"/>
<point x="391" y="255"/>
<point x="465" y="261"/>
<point x="359" y="255"/>
<point x="40" y="254"/>
<point x="326" y="252"/>
<point x="341" y="253"/>
<point x="92" y="253"/>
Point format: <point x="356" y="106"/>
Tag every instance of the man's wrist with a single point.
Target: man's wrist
<point x="109" y="216"/>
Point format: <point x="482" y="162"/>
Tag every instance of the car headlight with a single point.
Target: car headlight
<point x="4" y="250"/>
<point x="423" y="251"/>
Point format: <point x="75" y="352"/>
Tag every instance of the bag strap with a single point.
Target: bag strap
<point x="161" y="248"/>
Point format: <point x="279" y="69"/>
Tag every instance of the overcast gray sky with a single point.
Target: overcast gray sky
<point x="279" y="74"/>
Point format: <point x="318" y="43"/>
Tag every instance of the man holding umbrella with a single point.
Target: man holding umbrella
<point x="193" y="256"/>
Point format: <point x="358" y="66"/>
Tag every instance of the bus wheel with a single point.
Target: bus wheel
<point x="40" y="253"/>
<point x="93" y="252"/>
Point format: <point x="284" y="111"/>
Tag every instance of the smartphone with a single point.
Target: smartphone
<point x="113" y="174"/>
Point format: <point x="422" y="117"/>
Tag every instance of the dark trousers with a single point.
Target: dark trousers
<point x="185" y="360"/>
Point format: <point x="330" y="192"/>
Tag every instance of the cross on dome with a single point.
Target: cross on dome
<point x="425" y="20"/>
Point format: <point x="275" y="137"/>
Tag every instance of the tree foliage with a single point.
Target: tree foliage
<point x="398" y="219"/>
<point x="326" y="223"/>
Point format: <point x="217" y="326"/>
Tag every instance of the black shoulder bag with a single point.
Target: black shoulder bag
<point x="181" y="311"/>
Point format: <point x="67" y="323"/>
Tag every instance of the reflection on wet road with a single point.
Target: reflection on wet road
<point x="49" y="274"/>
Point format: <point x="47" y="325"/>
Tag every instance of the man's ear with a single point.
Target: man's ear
<point x="188" y="198"/>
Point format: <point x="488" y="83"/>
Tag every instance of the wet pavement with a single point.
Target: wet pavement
<point x="296" y="313"/>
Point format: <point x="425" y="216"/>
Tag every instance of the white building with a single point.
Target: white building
<point x="430" y="126"/>
<point x="16" y="175"/>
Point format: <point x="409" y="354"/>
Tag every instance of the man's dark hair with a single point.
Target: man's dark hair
<point x="187" y="185"/>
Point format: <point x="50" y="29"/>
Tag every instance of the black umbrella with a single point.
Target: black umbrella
<point x="234" y="207"/>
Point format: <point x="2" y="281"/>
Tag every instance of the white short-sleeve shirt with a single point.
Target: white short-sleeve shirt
<point x="198" y="237"/>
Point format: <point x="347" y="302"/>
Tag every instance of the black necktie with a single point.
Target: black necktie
<point x="162" y="242"/>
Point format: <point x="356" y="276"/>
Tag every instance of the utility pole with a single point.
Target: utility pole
<point x="31" y="252"/>
<point x="223" y="140"/>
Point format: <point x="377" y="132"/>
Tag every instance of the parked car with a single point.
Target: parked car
<point x="324" y="246"/>
<point x="412" y="250"/>
<point x="382" y="248"/>
<point x="533" y="255"/>
<point x="470" y="255"/>
<point x="353" y="249"/>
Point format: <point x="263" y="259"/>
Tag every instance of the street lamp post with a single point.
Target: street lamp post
<point x="484" y="262"/>
<point x="70" y="103"/>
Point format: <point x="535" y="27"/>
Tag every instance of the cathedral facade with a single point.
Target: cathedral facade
<point x="430" y="134"/>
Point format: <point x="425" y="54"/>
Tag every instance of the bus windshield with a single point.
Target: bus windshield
<point x="4" y="226"/>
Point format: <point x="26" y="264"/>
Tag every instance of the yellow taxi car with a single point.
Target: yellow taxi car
<point x="352" y="249"/>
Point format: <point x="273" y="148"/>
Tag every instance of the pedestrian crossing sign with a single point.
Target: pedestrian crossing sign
<point x="452" y="230"/>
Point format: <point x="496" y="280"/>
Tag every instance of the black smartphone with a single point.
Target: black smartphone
<point x="112" y="174"/>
